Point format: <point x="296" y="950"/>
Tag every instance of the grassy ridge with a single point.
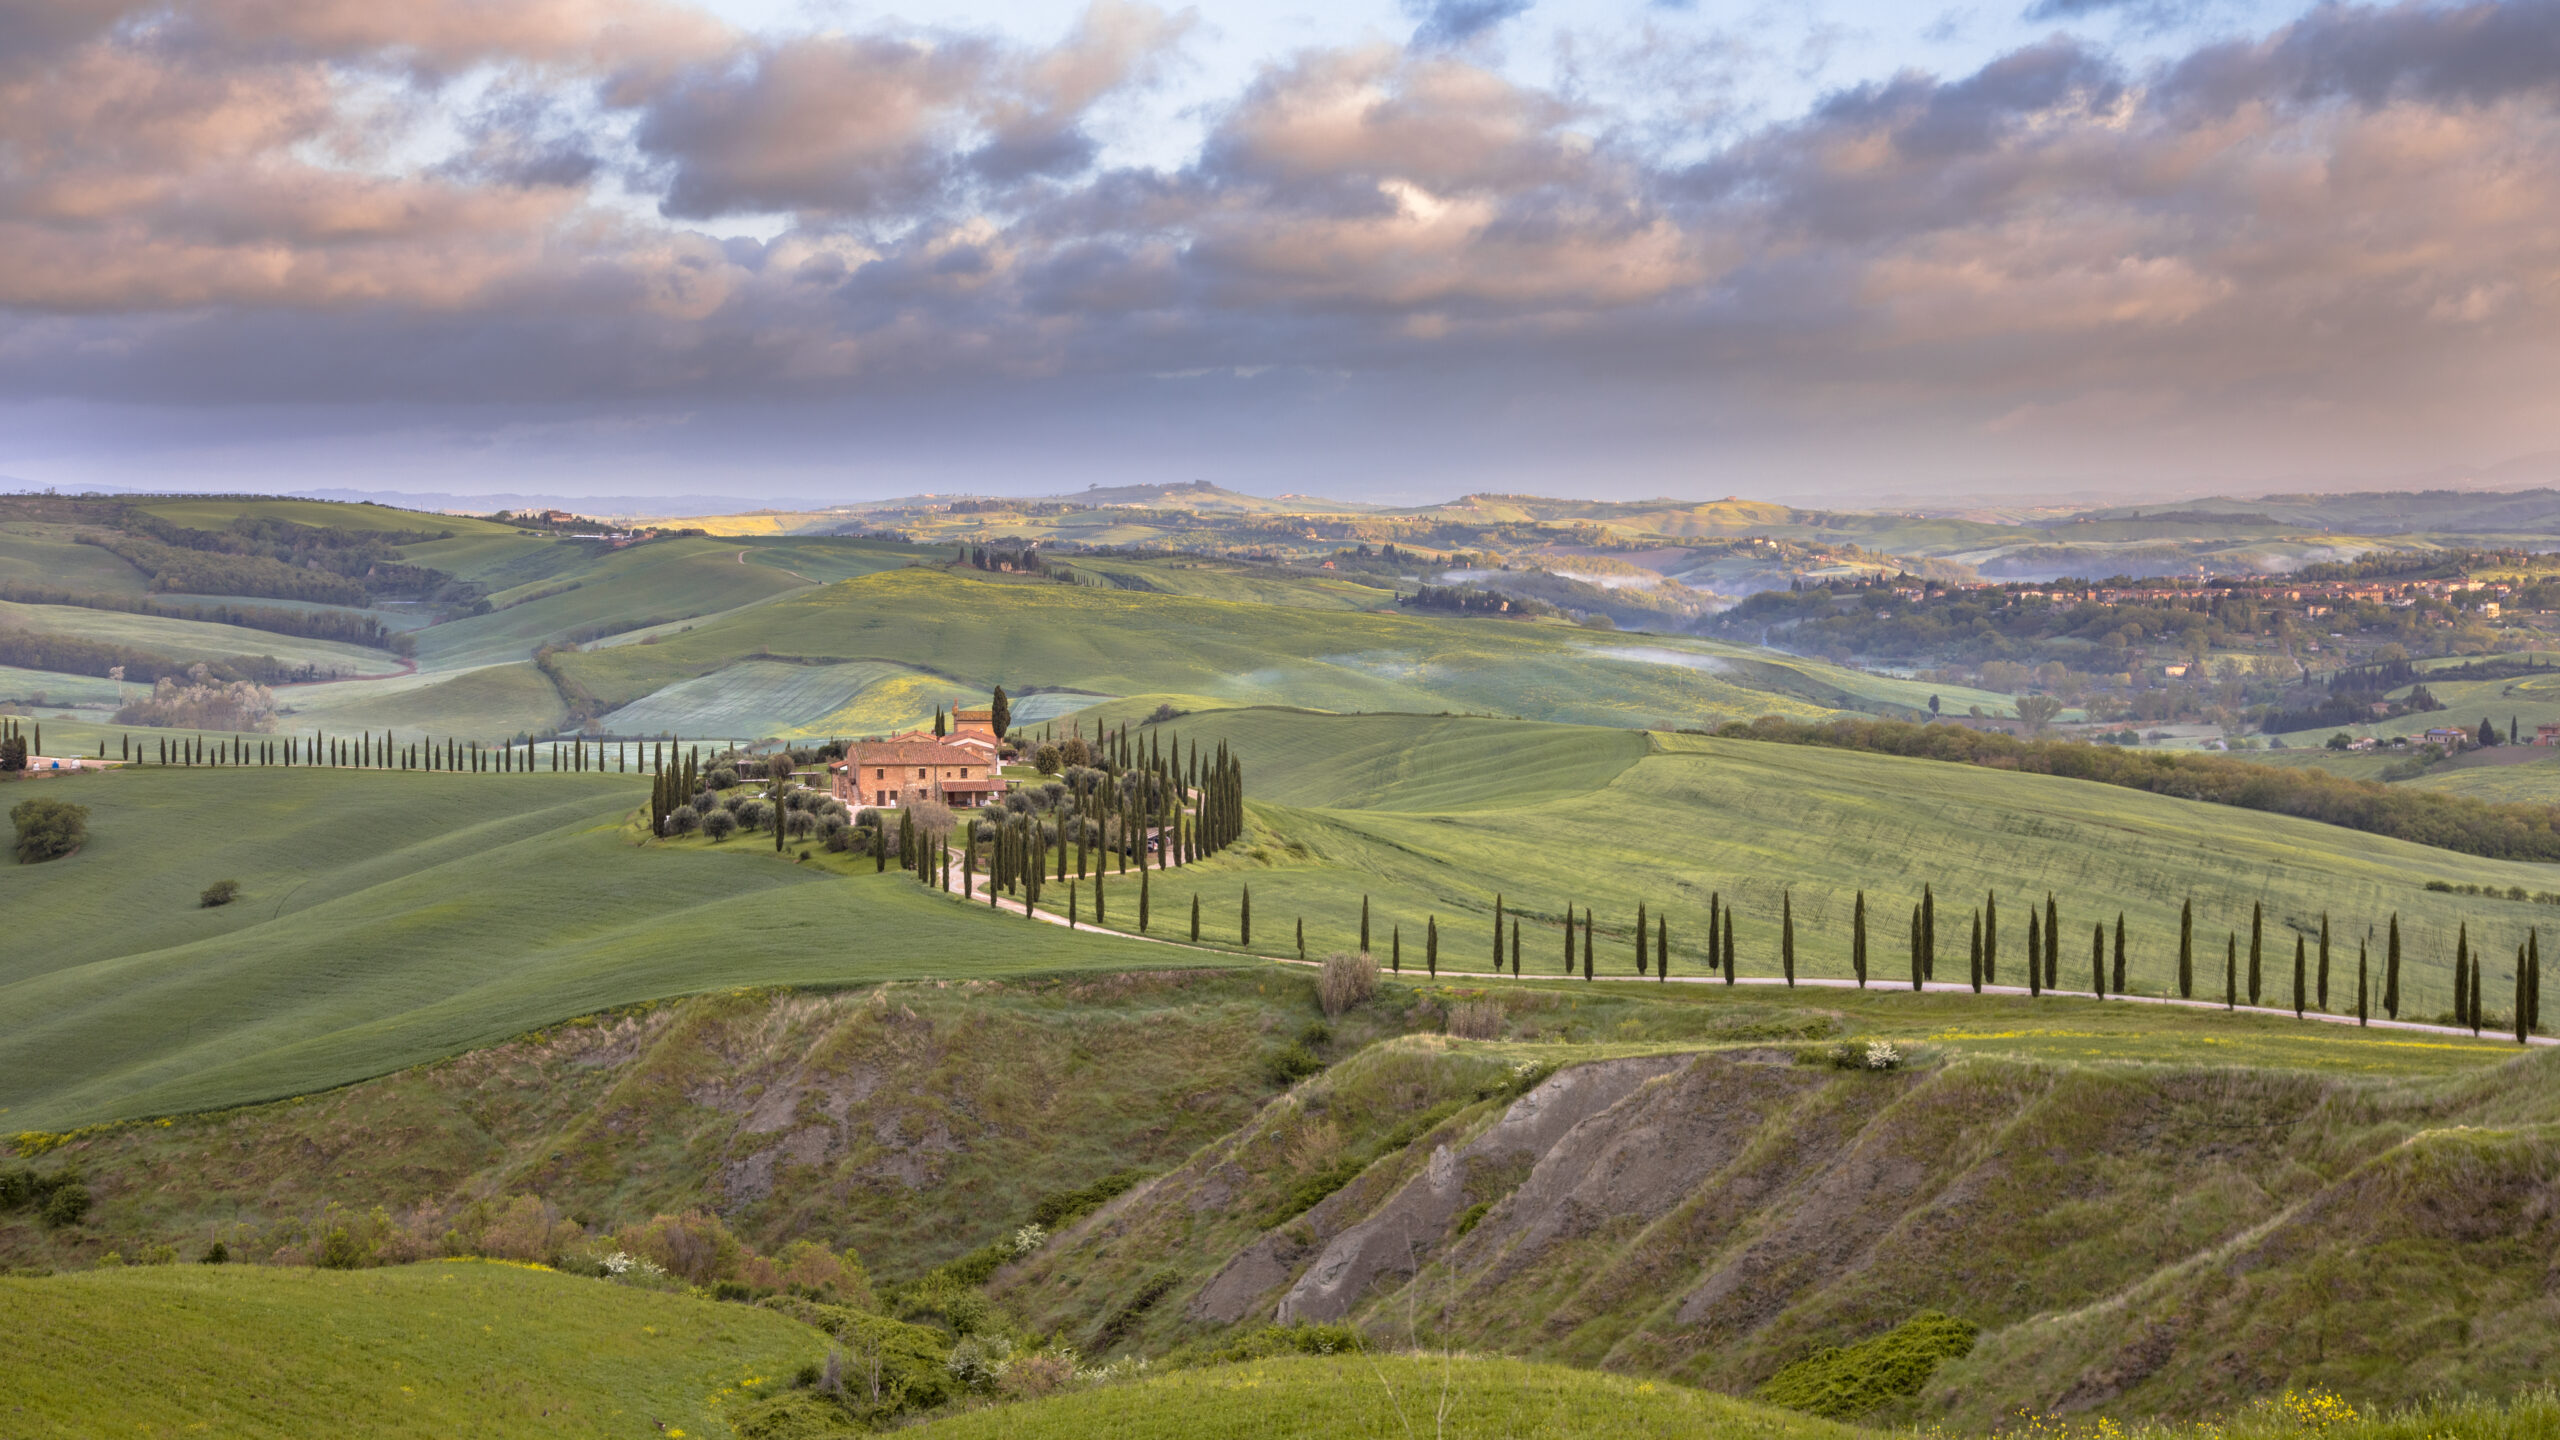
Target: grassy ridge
<point x="1124" y="643"/>
<point x="391" y="918"/>
<point x="1389" y="1397"/>
<point x="454" y="1348"/>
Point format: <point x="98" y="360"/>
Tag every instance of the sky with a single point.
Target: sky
<point x="794" y="250"/>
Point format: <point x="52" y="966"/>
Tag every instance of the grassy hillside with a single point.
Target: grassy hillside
<point x="391" y="918"/>
<point x="1123" y="643"/>
<point x="193" y="639"/>
<point x="1387" y="1396"/>
<point x="1434" y="817"/>
<point x="457" y="1348"/>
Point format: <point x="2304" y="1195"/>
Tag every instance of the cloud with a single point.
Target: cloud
<point x="1445" y="23"/>
<point x="2293" y="235"/>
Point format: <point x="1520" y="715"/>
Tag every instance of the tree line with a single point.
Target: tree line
<point x="309" y="624"/>
<point x="365" y="750"/>
<point x="2427" y="817"/>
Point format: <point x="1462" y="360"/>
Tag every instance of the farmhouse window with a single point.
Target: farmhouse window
<point x="879" y="774"/>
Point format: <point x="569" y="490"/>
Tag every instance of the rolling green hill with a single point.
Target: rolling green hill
<point x="388" y="918"/>
<point x="1430" y="816"/>
<point x="453" y="1348"/>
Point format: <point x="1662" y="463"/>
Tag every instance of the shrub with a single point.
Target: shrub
<point x="1468" y="1218"/>
<point x="1291" y="1065"/>
<point x="719" y="825"/>
<point x="218" y="894"/>
<point x="1843" y="1384"/>
<point x="1476" y="1020"/>
<point x="693" y="1245"/>
<point x="978" y="1361"/>
<point x="67" y="1205"/>
<point x="1271" y="1341"/>
<point x="754" y="814"/>
<point x="1345" y="981"/>
<point x="683" y="820"/>
<point x="49" y="829"/>
<point x="216" y="1254"/>
<point x="1028" y="1377"/>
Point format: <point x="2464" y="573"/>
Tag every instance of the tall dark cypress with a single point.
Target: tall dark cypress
<point x="2476" y="968"/>
<point x="1497" y="934"/>
<point x="2322" y="994"/>
<point x="2257" y="933"/>
<point x="2533" y="986"/>
<point x="1431" y="944"/>
<point x="2299" y="964"/>
<point x="1917" y="970"/>
<point x="1928" y="933"/>
<point x="1364" y="924"/>
<point x="1715" y="931"/>
<point x="2119" y="976"/>
<point x="1568" y="940"/>
<point x="1244" y="919"/>
<point x="2524" y="1032"/>
<point x="1644" y="935"/>
<point x="1395" y="949"/>
<point x="1977" y="952"/>
<point x="1515" y="947"/>
<point x="1661" y="947"/>
<point x="1586" y="942"/>
<point x="1787" y="932"/>
<point x="2052" y="943"/>
<point x="2035" y="952"/>
<point x="2098" y="960"/>
<point x="2462" y="974"/>
<point x="1858" y="940"/>
<point x="1991" y="938"/>
<point x="2187" y="949"/>
<point x="2391" y="971"/>
<point x="2231" y="971"/>
<point x="2362" y="946"/>
<point x="1728" y="945"/>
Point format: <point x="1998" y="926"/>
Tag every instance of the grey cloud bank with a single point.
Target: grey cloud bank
<point x="232" y="247"/>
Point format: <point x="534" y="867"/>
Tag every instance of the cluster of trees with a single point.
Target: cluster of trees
<point x="2353" y="692"/>
<point x="2452" y="822"/>
<point x="1025" y="561"/>
<point x="203" y="703"/>
<point x="276" y="559"/>
<point x="1473" y="600"/>
<point x="36" y="650"/>
<point x="309" y="624"/>
<point x="1120" y="803"/>
<point x="687" y="797"/>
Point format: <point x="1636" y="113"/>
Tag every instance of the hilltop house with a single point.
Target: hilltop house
<point x="885" y="774"/>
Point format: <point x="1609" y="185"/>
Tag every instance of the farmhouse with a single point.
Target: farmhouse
<point x="889" y="773"/>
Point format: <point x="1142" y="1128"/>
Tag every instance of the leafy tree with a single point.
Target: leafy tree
<point x="218" y="894"/>
<point x="49" y="829"/>
<point x="2038" y="710"/>
<point x="720" y="824"/>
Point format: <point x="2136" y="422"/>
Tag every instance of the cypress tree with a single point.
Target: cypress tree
<point x="1644" y="934"/>
<point x="1098" y="917"/>
<point x="2299" y="962"/>
<point x="1787" y="932"/>
<point x="1928" y="933"/>
<point x="1661" y="947"/>
<point x="2533" y="986"/>
<point x="2462" y="974"/>
<point x="1244" y="920"/>
<point x="2362" y="946"/>
<point x="1497" y="935"/>
<point x="1991" y="938"/>
<point x="1728" y="945"/>
<point x="2524" y="1033"/>
<point x="2187" y="949"/>
<point x="2098" y="960"/>
<point x="1364" y="924"/>
<point x="2476" y="968"/>
<point x="1568" y="940"/>
<point x="1715" y="931"/>
<point x="1977" y="952"/>
<point x="1195" y="917"/>
<point x="1302" y="925"/>
<point x="1142" y="900"/>
<point x="1071" y="904"/>
<point x="2323" y="993"/>
<point x="1431" y="944"/>
<point x="2257" y="932"/>
<point x="2391" y="972"/>
<point x="1858" y="940"/>
<point x="2119" y="977"/>
<point x="2035" y="952"/>
<point x="1395" y="941"/>
<point x="2052" y="944"/>
<point x="2231" y="971"/>
<point x="1515" y="947"/>
<point x="1587" y="923"/>
<point x="1915" y="947"/>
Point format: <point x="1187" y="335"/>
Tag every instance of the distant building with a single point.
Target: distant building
<point x="886" y="774"/>
<point x="2546" y="734"/>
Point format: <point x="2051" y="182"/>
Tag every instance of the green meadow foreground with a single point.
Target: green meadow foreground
<point x="457" y="1348"/>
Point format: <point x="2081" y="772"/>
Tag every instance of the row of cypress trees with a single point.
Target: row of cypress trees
<point x="365" y="750"/>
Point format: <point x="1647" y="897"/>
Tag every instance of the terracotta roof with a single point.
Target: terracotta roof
<point x="988" y="715"/>
<point x="907" y="752"/>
